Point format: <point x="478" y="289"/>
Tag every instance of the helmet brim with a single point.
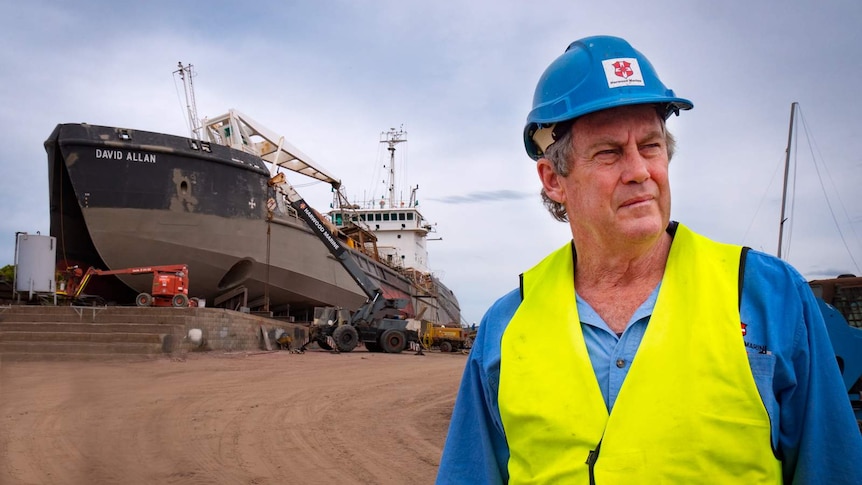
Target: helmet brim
<point x="667" y="106"/>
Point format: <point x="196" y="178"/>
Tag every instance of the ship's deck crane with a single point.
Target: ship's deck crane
<point x="377" y="321"/>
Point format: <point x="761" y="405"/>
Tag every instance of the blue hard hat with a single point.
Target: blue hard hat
<point x="595" y="73"/>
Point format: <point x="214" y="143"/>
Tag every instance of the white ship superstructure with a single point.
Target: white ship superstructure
<point x="396" y="225"/>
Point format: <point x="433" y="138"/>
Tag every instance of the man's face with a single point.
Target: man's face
<point x="617" y="190"/>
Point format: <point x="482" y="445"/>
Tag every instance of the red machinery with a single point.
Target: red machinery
<point x="170" y="284"/>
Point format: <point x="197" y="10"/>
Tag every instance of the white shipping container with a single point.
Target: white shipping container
<point x="35" y="260"/>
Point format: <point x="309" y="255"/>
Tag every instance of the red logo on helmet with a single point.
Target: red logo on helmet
<point x="623" y="69"/>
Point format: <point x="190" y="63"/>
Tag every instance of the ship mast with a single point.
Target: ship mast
<point x="392" y="138"/>
<point x="186" y="75"/>
<point x="786" y="171"/>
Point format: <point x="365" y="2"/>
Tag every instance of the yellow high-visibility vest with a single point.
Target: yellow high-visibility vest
<point x="689" y="410"/>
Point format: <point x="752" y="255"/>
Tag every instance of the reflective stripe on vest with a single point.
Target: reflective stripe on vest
<point x="689" y="410"/>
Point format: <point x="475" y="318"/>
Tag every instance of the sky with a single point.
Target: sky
<point x="459" y="77"/>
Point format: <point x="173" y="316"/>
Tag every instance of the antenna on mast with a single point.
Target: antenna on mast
<point x="392" y="138"/>
<point x="186" y="75"/>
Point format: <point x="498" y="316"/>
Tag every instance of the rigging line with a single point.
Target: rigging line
<point x="826" y="196"/>
<point x="763" y="197"/>
<point x="375" y="175"/>
<point x="180" y="101"/>
<point x="404" y="171"/>
<point x="814" y="147"/>
<point x="370" y="189"/>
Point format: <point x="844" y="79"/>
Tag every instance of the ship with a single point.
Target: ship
<point x="122" y="197"/>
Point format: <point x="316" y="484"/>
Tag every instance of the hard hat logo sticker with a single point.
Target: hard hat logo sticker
<point x="623" y="72"/>
<point x="623" y="69"/>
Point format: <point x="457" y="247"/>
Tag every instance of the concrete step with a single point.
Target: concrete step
<point x="135" y="316"/>
<point x="38" y="327"/>
<point x="113" y="337"/>
<point x="68" y="308"/>
<point x="69" y="357"/>
<point x="51" y="348"/>
<point x="121" y="333"/>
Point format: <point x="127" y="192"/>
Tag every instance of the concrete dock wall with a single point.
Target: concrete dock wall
<point x="64" y="332"/>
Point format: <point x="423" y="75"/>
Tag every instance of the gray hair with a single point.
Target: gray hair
<point x="560" y="154"/>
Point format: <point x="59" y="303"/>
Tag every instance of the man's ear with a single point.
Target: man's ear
<point x="551" y="181"/>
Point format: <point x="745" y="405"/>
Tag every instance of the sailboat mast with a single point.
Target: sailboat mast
<point x="786" y="172"/>
<point x="392" y="138"/>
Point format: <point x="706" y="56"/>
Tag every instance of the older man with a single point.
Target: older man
<point x="641" y="352"/>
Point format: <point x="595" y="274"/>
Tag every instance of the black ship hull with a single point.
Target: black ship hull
<point x="123" y="198"/>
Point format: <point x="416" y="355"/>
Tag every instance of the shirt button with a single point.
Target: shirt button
<point x="621" y="363"/>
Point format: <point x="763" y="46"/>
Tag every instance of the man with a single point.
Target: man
<point x="642" y="352"/>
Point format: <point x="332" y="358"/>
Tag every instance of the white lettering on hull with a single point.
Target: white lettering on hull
<point x="127" y="156"/>
<point x="109" y="154"/>
<point x="140" y="157"/>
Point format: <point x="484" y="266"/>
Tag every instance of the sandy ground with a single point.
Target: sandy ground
<point x="261" y="418"/>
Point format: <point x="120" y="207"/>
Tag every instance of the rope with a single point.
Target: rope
<point x="811" y="147"/>
<point x="180" y="101"/>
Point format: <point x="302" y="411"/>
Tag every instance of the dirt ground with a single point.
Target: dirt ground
<point x="257" y="418"/>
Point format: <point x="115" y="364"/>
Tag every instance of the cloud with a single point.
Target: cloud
<point x="484" y="196"/>
<point x="330" y="76"/>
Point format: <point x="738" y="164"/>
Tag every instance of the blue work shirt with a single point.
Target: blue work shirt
<point x="814" y="431"/>
<point x="612" y="355"/>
